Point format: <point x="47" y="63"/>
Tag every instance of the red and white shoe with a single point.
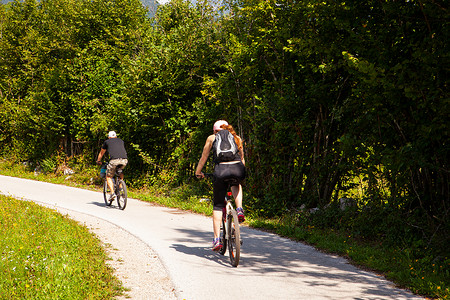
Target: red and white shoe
<point x="240" y="213"/>
<point x="217" y="245"/>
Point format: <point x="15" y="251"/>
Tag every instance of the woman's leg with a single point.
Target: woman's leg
<point x="237" y="194"/>
<point x="217" y="220"/>
<point x="238" y="172"/>
<point x="219" y="191"/>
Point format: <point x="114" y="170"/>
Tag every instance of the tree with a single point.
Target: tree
<point x="46" y="42"/>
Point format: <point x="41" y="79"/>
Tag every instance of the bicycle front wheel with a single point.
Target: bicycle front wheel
<point x="234" y="238"/>
<point x="121" y="194"/>
<point x="106" y="193"/>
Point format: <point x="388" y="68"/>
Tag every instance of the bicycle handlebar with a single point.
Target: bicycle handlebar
<point x="206" y="175"/>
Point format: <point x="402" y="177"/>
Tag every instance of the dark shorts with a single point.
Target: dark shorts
<point x="225" y="174"/>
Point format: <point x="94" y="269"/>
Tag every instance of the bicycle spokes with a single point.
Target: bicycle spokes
<point x="122" y="194"/>
<point x="234" y="244"/>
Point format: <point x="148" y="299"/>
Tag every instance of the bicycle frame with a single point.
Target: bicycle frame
<point x="230" y="231"/>
<point x="228" y="208"/>
<point x="119" y="188"/>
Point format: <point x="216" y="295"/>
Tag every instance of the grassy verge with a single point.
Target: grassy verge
<point x="409" y="267"/>
<point x="46" y="255"/>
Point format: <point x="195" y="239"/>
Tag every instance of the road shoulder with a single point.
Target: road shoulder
<point x="135" y="263"/>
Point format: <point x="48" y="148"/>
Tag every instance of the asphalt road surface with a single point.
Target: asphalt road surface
<point x="271" y="267"/>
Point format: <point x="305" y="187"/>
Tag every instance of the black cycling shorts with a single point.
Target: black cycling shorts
<point x="222" y="173"/>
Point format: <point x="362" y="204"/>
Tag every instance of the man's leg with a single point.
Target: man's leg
<point x="124" y="163"/>
<point x="110" y="184"/>
<point x="110" y="171"/>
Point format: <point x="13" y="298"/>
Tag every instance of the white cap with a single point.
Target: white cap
<point x="218" y="124"/>
<point x="112" y="134"/>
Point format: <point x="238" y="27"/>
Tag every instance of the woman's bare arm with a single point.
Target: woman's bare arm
<point x="205" y="155"/>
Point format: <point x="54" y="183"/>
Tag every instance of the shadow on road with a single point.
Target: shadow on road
<point x="203" y="252"/>
<point x="102" y="204"/>
<point x="99" y="204"/>
<point x="194" y="237"/>
<point x="270" y="255"/>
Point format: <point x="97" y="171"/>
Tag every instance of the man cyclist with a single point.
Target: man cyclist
<point x="118" y="156"/>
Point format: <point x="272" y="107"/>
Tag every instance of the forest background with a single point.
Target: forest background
<point x="334" y="100"/>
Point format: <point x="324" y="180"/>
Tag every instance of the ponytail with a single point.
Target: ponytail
<point x="237" y="139"/>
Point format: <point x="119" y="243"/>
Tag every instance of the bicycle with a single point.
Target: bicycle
<point x="230" y="233"/>
<point x="120" y="188"/>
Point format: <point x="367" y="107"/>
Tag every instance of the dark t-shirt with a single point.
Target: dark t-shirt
<point x="115" y="148"/>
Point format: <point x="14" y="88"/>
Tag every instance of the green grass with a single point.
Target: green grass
<point x="409" y="267"/>
<point x="48" y="256"/>
<point x="182" y="198"/>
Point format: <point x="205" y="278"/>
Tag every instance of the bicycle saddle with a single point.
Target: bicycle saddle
<point x="232" y="181"/>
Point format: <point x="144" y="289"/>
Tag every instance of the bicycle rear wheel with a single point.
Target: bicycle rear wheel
<point x="121" y="194"/>
<point x="223" y="237"/>
<point x="234" y="238"/>
<point x="106" y="193"/>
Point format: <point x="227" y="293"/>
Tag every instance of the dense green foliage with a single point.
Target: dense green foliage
<point x="333" y="99"/>
<point x="48" y="256"/>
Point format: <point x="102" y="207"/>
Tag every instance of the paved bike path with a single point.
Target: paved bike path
<point x="270" y="266"/>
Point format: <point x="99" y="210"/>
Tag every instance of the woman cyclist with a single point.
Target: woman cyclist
<point x="234" y="168"/>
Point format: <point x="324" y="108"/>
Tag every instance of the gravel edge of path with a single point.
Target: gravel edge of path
<point x="136" y="264"/>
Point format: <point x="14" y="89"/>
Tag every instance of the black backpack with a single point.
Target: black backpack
<point x="225" y="148"/>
